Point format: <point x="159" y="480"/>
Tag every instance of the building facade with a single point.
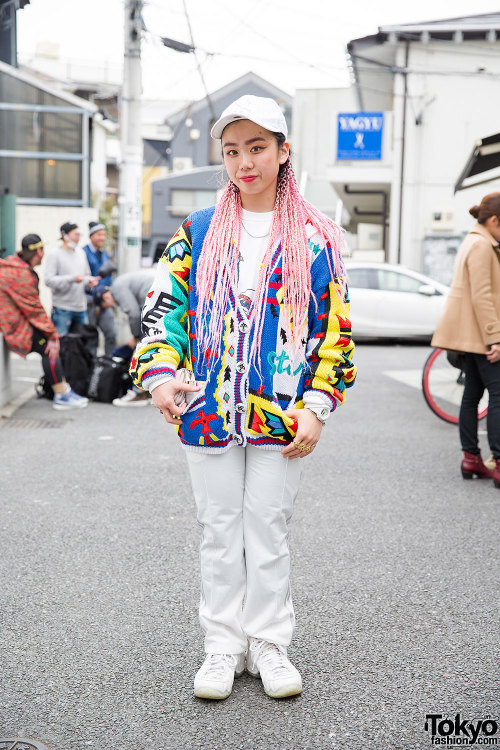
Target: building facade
<point x="432" y="88"/>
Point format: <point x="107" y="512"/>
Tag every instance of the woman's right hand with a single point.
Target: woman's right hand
<point x="163" y="398"/>
<point x="494" y="353"/>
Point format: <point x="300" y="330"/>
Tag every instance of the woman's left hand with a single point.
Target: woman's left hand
<point x="493" y="355"/>
<point x="308" y="433"/>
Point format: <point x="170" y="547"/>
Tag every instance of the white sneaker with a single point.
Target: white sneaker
<point x="278" y="675"/>
<point x="133" y="398"/>
<point x="215" y="677"/>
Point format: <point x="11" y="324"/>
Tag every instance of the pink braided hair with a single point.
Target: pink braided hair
<point x="217" y="271"/>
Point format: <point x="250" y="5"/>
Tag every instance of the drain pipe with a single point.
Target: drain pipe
<point x="401" y="178"/>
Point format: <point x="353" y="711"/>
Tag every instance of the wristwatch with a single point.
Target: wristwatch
<point x="320" y="412"/>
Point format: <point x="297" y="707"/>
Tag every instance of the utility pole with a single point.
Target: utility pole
<point x="130" y="194"/>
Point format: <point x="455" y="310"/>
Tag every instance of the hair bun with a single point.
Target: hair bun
<point x="474" y="211"/>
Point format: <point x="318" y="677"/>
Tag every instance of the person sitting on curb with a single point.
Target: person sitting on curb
<point x="99" y="316"/>
<point x="25" y="325"/>
<point x="128" y="292"/>
<point x="67" y="273"/>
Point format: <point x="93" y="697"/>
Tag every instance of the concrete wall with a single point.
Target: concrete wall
<point x="5" y="375"/>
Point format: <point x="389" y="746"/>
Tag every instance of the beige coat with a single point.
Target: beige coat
<point x="471" y="318"/>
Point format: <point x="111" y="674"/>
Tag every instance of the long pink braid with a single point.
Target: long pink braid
<point x="218" y="265"/>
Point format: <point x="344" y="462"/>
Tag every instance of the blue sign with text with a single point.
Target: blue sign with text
<point x="360" y="135"/>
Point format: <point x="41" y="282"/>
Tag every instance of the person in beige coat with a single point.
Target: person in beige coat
<point x="470" y="323"/>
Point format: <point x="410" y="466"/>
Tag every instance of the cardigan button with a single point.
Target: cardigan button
<point x="243" y="326"/>
<point x="240" y="408"/>
<point x="241" y="367"/>
<point x="238" y="440"/>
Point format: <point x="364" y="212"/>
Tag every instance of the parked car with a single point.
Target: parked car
<point x="391" y="301"/>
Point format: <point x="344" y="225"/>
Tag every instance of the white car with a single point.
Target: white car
<point x="391" y="301"/>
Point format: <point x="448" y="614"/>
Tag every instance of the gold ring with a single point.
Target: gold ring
<point x="301" y="446"/>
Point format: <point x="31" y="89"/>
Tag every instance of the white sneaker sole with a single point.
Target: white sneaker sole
<point x="214" y="695"/>
<point x="62" y="407"/>
<point x="284" y="692"/>
<point x="116" y="402"/>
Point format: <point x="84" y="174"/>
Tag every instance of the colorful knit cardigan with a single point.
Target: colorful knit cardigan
<point x="238" y="404"/>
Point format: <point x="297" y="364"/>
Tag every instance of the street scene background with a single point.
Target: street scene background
<point x="105" y="116"/>
<point x="394" y="576"/>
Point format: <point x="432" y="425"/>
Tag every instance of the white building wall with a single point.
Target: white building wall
<point x="98" y="178"/>
<point x="314" y="137"/>
<point x="455" y="106"/>
<point x="455" y="110"/>
<point x="45" y="221"/>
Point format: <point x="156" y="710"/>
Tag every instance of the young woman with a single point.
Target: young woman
<point x="250" y="296"/>
<point x="471" y="323"/>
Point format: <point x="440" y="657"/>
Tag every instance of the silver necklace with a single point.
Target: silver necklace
<point x="255" y="236"/>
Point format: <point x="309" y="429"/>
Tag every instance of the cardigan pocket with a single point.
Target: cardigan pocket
<point x="266" y="419"/>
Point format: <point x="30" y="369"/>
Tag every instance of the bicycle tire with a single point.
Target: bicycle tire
<point x="430" y="397"/>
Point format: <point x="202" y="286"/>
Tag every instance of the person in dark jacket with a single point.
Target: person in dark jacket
<point x="100" y="316"/>
<point x="25" y="325"/>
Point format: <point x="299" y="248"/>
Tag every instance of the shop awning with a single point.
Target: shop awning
<point x="484" y="158"/>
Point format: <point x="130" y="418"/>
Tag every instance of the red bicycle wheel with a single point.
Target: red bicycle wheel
<point x="443" y="385"/>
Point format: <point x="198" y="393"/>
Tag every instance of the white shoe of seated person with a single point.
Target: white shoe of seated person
<point x="278" y="675"/>
<point x="133" y="398"/>
<point x="215" y="677"/>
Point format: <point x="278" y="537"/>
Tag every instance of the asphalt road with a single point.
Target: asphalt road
<point x="395" y="581"/>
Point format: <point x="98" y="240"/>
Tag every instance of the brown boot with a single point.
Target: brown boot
<point x="472" y="463"/>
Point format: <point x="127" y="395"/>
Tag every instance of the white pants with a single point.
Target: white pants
<point x="244" y="499"/>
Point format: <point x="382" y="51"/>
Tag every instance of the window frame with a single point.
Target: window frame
<point x="83" y="157"/>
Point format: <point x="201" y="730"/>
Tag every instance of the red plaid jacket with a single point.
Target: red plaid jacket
<point x="20" y="306"/>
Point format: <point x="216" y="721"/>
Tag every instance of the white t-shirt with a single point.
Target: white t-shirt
<point x="254" y="239"/>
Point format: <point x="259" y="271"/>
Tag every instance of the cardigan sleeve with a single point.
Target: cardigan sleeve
<point x="164" y="324"/>
<point x="330" y="346"/>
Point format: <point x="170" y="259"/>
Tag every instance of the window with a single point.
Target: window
<point x="361" y="278"/>
<point x="184" y="201"/>
<point x="392" y="281"/>
<point x="44" y="147"/>
<point x="41" y="131"/>
<point x="34" y="178"/>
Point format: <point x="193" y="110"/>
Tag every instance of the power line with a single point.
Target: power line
<point x="210" y="103"/>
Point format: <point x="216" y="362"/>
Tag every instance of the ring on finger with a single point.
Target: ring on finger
<point x="302" y="447"/>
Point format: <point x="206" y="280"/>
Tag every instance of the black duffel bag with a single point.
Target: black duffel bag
<point x="109" y="379"/>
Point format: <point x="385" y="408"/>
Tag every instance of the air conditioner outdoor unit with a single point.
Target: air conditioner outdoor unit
<point x="443" y="221"/>
<point x="182" y="163"/>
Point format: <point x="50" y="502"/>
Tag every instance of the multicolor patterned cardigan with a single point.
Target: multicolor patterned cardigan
<point x="237" y="404"/>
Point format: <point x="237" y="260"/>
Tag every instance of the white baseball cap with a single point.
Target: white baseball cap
<point x="259" y="109"/>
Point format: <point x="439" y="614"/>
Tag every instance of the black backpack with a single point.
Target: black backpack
<point x="109" y="379"/>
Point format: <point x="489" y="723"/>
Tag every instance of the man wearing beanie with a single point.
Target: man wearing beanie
<point x="24" y="323"/>
<point x="101" y="315"/>
<point x="67" y="274"/>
